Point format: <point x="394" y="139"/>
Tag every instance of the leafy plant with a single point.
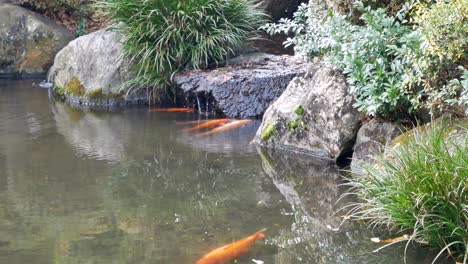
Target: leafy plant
<point x="420" y="187"/>
<point x="162" y="37"/>
<point x="444" y="26"/>
<point x="389" y="67"/>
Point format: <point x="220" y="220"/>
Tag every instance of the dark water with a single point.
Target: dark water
<point x="128" y="186"/>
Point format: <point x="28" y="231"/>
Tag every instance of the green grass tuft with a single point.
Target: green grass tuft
<point x="421" y="188"/>
<point x="163" y="37"/>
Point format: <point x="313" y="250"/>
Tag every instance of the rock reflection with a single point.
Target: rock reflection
<point x="312" y="189"/>
<point x="90" y="134"/>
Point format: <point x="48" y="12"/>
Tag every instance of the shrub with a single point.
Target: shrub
<point x="162" y="37"/>
<point x="370" y="55"/>
<point x="444" y="26"/>
<point x="386" y="59"/>
<point x="421" y="187"/>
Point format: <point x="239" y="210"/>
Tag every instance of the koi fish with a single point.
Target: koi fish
<point x="207" y="124"/>
<point x="390" y="240"/>
<point x="171" y="110"/>
<point x="226" y="127"/>
<point x="231" y="251"/>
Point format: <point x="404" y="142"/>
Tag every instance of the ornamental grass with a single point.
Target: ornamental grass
<point x="420" y="188"/>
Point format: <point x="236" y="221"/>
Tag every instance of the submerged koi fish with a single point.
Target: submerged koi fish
<point x="171" y="110"/>
<point x="226" y="127"/>
<point x="207" y="124"/>
<point x="232" y="250"/>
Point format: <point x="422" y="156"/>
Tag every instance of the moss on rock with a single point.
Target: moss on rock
<point x="299" y="110"/>
<point x="96" y="94"/>
<point x="450" y="126"/>
<point x="39" y="54"/>
<point x="268" y="132"/>
<point x="75" y="87"/>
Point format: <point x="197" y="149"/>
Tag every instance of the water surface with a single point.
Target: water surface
<point x="82" y="186"/>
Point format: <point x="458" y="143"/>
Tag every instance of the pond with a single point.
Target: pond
<point x="129" y="186"/>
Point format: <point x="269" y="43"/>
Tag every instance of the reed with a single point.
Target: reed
<point x="420" y="188"/>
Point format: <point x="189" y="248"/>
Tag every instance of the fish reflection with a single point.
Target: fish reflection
<point x="208" y="124"/>
<point x="171" y="110"/>
<point x="226" y="127"/>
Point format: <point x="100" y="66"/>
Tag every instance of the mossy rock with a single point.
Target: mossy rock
<point x="451" y="126"/>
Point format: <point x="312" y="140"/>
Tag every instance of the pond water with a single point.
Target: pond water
<point x="128" y="186"/>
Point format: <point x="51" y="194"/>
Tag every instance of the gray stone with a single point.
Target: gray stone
<point x="13" y="2"/>
<point x="245" y="87"/>
<point x="315" y="115"/>
<point x="371" y="140"/>
<point x="94" y="63"/>
<point x="28" y="41"/>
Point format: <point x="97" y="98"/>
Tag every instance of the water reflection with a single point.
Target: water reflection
<point x="78" y="186"/>
<point x="89" y="133"/>
<point x="318" y="233"/>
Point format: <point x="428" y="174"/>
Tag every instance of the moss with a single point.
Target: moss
<point x="292" y="124"/>
<point x="58" y="90"/>
<point x="449" y="124"/>
<point x="268" y="132"/>
<point x="38" y="54"/>
<point x="299" y="110"/>
<point x="96" y="94"/>
<point x="75" y="87"/>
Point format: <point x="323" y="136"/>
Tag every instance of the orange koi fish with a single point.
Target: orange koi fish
<point x="207" y="124"/>
<point x="231" y="251"/>
<point x="171" y="110"/>
<point x="226" y="127"/>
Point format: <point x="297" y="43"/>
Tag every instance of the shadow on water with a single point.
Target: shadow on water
<point x="79" y="186"/>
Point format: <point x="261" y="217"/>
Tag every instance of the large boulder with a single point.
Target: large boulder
<point x="28" y="41"/>
<point x="315" y="115"/>
<point x="371" y="140"/>
<point x="91" y="71"/>
<point x="243" y="88"/>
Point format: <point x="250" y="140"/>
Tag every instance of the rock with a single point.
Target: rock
<point x="244" y="88"/>
<point x="315" y="115"/>
<point x="28" y="41"/>
<point x="371" y="141"/>
<point x="280" y="8"/>
<point x="90" y="71"/>
<point x="13" y="2"/>
<point x="455" y="130"/>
